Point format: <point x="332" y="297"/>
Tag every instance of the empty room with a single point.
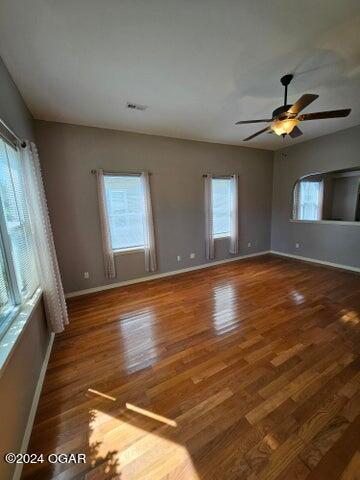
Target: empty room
<point x="179" y="240"/>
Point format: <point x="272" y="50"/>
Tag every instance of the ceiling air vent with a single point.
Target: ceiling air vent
<point x="136" y="106"/>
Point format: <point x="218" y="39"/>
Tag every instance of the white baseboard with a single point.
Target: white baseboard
<point x="34" y="405"/>
<point x="313" y="260"/>
<point x="161" y="275"/>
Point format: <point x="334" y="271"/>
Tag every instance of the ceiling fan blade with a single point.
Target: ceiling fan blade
<point x="320" y="115"/>
<point x="263" y="120"/>
<point x="296" y="132"/>
<point x="256" y="134"/>
<point x="303" y="102"/>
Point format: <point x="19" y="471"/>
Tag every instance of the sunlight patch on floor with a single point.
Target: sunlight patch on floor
<point x="138" y="447"/>
<point x="349" y="317"/>
<point x="154" y="416"/>
<point x="100" y="394"/>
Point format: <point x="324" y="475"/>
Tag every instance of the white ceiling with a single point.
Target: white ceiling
<point x="200" y="65"/>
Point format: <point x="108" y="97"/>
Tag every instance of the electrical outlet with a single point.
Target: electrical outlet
<point x="178" y="258"/>
<point x="192" y="255"/>
<point x="86" y="275"/>
<point x="249" y="244"/>
<point x="297" y="245"/>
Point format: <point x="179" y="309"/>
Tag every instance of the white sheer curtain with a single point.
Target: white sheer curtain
<point x="321" y="200"/>
<point x="308" y="200"/>
<point x="296" y="202"/>
<point x="108" y="253"/>
<point x="48" y="268"/>
<point x="149" y="235"/>
<point x="234" y="217"/>
<point x="209" y="236"/>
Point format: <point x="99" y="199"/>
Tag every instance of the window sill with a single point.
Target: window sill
<point x="335" y="222"/>
<point x="16" y="327"/>
<point x="221" y="235"/>
<point x="125" y="251"/>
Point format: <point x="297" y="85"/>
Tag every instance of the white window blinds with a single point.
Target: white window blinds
<point x="15" y="221"/>
<point x="125" y="208"/>
<point x="221" y="204"/>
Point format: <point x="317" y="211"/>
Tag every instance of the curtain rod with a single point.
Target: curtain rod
<point x="218" y="176"/>
<point x="13" y="134"/>
<point x="125" y="174"/>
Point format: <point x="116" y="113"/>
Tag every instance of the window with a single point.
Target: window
<point x="6" y="303"/>
<point x="221" y="203"/>
<point x="18" y="276"/>
<point x="332" y="196"/>
<point x="309" y="200"/>
<point x="125" y="207"/>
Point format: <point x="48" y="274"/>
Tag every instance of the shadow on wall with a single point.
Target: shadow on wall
<point x="328" y="63"/>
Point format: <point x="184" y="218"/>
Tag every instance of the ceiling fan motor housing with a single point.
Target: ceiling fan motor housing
<point x="286" y="79"/>
<point x="281" y="112"/>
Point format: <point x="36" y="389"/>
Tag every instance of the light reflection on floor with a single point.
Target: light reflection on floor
<point x="225" y="308"/>
<point x="297" y="297"/>
<point x="125" y="450"/>
<point x="138" y="339"/>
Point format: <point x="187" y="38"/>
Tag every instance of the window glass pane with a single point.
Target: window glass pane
<point x="17" y="222"/>
<point x="309" y="199"/>
<point x="125" y="205"/>
<point x="5" y="296"/>
<point x="221" y="200"/>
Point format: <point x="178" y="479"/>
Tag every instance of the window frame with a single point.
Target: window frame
<point x="12" y="289"/>
<point x="292" y="213"/>
<point x="8" y="257"/>
<point x="126" y="250"/>
<point x="19" y="303"/>
<point x="219" y="236"/>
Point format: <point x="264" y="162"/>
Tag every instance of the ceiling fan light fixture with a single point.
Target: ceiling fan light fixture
<point x="281" y="127"/>
<point x="283" y="119"/>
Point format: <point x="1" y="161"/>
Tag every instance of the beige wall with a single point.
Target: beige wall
<point x="69" y="152"/>
<point x="19" y="377"/>
<point x="17" y="386"/>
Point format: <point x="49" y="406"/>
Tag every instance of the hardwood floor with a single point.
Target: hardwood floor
<point x="248" y="370"/>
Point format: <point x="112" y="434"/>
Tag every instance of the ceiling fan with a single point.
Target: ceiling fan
<point x="285" y="119"/>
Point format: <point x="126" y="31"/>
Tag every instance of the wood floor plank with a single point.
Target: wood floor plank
<point x="336" y="462"/>
<point x="244" y="371"/>
<point x="323" y="441"/>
